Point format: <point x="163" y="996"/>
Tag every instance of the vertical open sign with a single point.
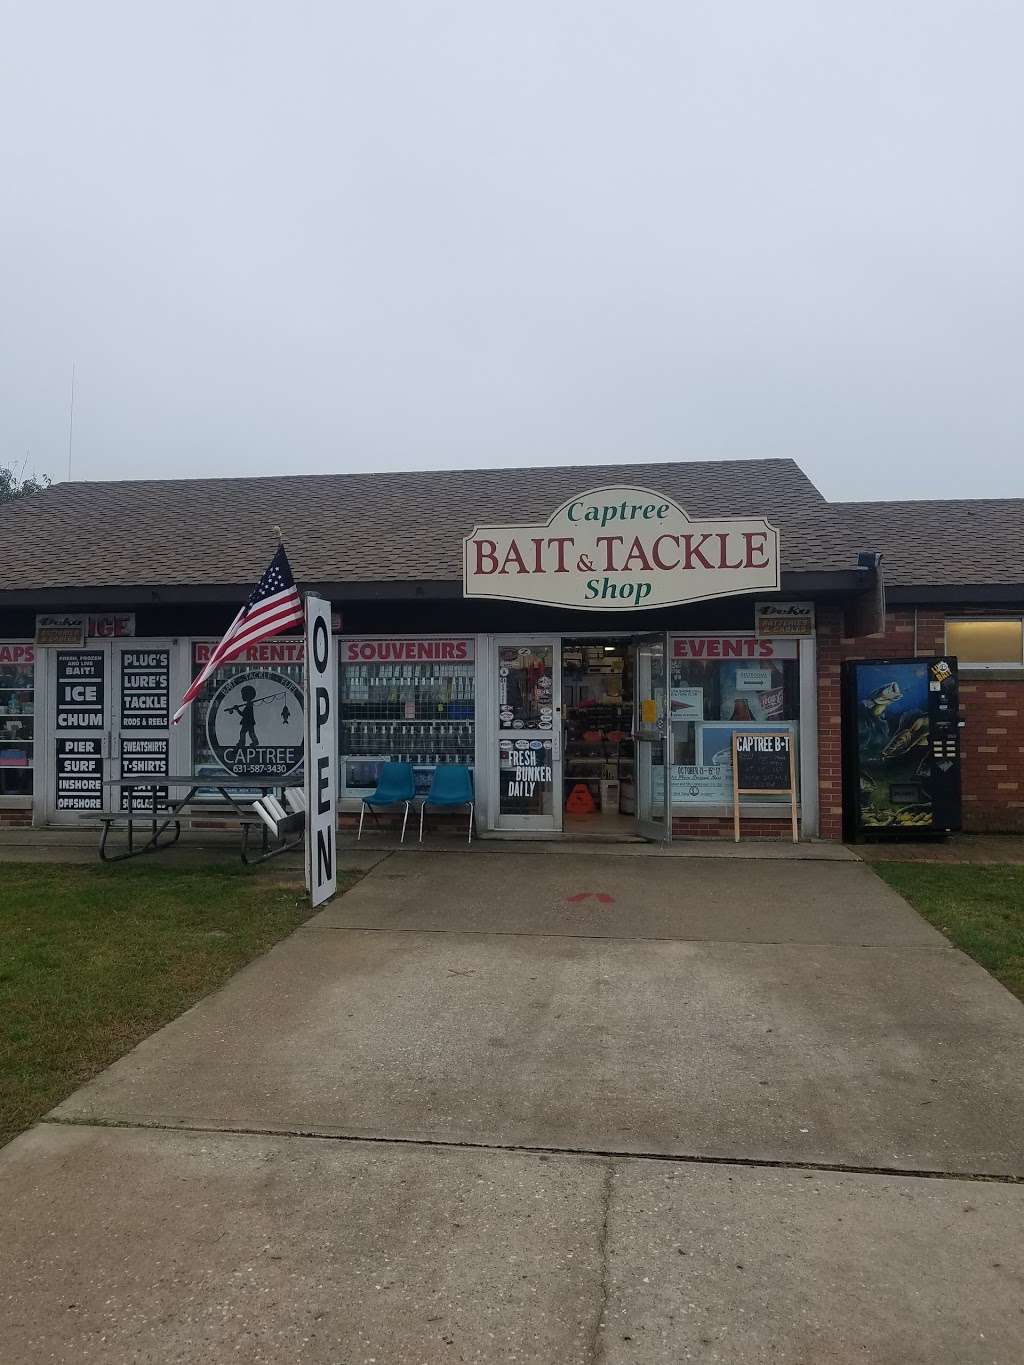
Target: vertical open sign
<point x="321" y="753"/>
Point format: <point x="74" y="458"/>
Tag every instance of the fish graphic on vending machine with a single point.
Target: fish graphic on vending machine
<point x="911" y="733"/>
<point x="876" y="725"/>
<point x="881" y="699"/>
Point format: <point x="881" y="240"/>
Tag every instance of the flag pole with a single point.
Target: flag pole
<point x="254" y="622"/>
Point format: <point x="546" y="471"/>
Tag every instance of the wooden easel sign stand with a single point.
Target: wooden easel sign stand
<point x="763" y="764"/>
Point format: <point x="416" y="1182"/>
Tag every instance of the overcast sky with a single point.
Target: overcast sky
<point x="332" y="236"/>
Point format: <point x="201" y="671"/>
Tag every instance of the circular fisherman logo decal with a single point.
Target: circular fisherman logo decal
<point x="254" y="725"/>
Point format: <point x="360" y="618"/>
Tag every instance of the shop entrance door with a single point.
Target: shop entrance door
<point x="108" y="716"/>
<point x="651" y="732"/>
<point x="527" y="733"/>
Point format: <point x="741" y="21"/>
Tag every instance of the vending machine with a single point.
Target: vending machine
<point x="901" y="748"/>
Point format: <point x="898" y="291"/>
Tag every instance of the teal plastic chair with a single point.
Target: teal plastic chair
<point x="396" y="786"/>
<point x="450" y="786"/>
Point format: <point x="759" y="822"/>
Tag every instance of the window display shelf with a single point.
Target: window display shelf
<point x="418" y="712"/>
<point x="354" y="719"/>
<point x="17" y="726"/>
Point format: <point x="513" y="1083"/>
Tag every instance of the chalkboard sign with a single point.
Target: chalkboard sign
<point x="763" y="764"/>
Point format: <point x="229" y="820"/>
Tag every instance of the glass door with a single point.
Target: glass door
<point x="527" y="733"/>
<point x="652" y="759"/>
<point x="109" y="716"/>
<point x="141" y="706"/>
<point x="79" y="732"/>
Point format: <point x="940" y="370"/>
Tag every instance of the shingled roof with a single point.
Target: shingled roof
<point x="931" y="543"/>
<point x="361" y="527"/>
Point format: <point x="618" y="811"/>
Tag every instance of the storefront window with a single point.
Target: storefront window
<point x="248" y="722"/>
<point x="994" y="643"/>
<point x="525" y="685"/>
<point x="17" y="720"/>
<point x="405" y="700"/>
<point x="720" y="684"/>
<point x="525" y="777"/>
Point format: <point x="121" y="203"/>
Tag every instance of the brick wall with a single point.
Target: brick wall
<point x="830" y="756"/>
<point x="720" y="827"/>
<point x="992" y="741"/>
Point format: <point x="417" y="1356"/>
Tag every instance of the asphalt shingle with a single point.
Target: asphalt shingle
<point x="926" y="543"/>
<point x="381" y="527"/>
<point x="360" y="527"/>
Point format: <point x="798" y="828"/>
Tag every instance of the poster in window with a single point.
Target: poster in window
<point x="144" y="758"/>
<point x="80" y="682"/>
<point x="526" y="777"/>
<point x="79" y="774"/>
<point x="700" y="784"/>
<point x="687" y="702"/>
<point x="145" y="689"/>
<point x="751" y="692"/>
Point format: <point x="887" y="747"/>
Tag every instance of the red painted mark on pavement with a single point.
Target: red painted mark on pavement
<point x="601" y="896"/>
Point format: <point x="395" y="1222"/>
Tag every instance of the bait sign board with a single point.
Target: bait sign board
<point x="784" y="618"/>
<point x="621" y="548"/>
<point x="62" y="630"/>
<point x="70" y="630"/>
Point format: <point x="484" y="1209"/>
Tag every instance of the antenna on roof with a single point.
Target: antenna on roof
<point x="71" y="419"/>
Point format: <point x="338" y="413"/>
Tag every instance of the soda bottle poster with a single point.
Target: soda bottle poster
<point x="751" y="691"/>
<point x="892" y="742"/>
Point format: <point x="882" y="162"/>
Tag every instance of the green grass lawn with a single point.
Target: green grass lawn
<point x="93" y="959"/>
<point x="981" y="909"/>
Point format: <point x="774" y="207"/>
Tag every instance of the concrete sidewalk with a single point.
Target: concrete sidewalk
<point x="196" y="849"/>
<point x="548" y="1109"/>
<point x="80" y="845"/>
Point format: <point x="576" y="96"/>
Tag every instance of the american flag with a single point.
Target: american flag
<point x="274" y="605"/>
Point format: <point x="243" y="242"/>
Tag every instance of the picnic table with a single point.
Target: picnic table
<point x="159" y="815"/>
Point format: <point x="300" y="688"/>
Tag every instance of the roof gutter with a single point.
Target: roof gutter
<point x="974" y="594"/>
<point x="838" y="583"/>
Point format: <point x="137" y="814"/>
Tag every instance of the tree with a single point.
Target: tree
<point x="11" y="486"/>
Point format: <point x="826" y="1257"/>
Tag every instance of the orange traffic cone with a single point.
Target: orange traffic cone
<point x="579" y="801"/>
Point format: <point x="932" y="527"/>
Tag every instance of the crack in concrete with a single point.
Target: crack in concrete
<point x="308" y="925"/>
<point x="597" y="1337"/>
<point x="605" y="1154"/>
<point x="534" y="847"/>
